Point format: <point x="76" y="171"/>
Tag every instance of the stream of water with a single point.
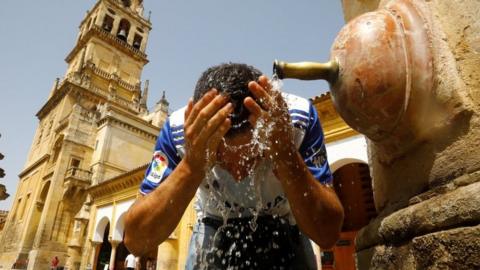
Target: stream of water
<point x="259" y="144"/>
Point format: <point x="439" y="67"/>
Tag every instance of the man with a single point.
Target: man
<point x="255" y="158"/>
<point x="54" y="263"/>
<point x="130" y="262"/>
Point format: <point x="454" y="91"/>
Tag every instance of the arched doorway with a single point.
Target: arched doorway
<point x="122" y="252"/>
<point x="118" y="235"/>
<point x="353" y="185"/>
<point x="105" y="249"/>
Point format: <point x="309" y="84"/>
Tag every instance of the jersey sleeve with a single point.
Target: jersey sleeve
<point x="313" y="149"/>
<point x="165" y="159"/>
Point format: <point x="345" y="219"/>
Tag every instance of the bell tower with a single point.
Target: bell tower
<point x="92" y="117"/>
<point x="109" y="54"/>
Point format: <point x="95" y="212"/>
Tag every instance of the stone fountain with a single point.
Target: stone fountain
<point x="407" y="76"/>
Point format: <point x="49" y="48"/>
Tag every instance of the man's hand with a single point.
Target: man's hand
<point x="316" y="208"/>
<point x="270" y="109"/>
<point x="206" y="123"/>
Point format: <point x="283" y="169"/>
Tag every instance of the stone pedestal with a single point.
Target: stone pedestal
<point x="426" y="168"/>
<point x="439" y="230"/>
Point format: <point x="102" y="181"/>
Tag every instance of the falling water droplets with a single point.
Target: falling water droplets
<point x="260" y="143"/>
<point x="276" y="83"/>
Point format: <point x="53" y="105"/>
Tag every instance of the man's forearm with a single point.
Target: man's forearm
<point x="316" y="208"/>
<point x="154" y="217"/>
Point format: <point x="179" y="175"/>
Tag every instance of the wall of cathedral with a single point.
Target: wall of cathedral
<point x="122" y="143"/>
<point x="75" y="139"/>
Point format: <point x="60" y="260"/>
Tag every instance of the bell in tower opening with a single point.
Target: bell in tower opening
<point x="123" y="30"/>
<point x="126" y="3"/>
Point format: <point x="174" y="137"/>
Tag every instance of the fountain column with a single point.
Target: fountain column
<point x="423" y="130"/>
<point x="406" y="75"/>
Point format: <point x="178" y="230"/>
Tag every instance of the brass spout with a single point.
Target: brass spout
<point x="306" y="70"/>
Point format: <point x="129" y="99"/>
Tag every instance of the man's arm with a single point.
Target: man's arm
<point x="316" y="208"/>
<point x="152" y="218"/>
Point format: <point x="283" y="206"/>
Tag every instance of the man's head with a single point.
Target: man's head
<point x="230" y="79"/>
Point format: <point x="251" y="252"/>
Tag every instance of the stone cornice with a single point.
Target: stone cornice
<point x="118" y="183"/>
<point x="54" y="100"/>
<point x="138" y="119"/>
<point x="34" y="165"/>
<point x="336" y="134"/>
<point x="115" y="121"/>
<point x="109" y="39"/>
<point x="68" y="85"/>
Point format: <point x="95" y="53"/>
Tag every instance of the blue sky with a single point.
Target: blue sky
<point x="187" y="37"/>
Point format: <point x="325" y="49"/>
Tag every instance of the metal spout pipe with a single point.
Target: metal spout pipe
<point x="306" y="70"/>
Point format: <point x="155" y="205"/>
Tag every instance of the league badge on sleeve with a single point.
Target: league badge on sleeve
<point x="158" y="167"/>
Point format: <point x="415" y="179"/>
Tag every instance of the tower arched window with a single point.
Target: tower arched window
<point x="137" y="41"/>
<point x="123" y="29"/>
<point x="126" y="3"/>
<point x="42" y="198"/>
<point x="89" y="23"/>
<point x="56" y="148"/>
<point x="107" y="24"/>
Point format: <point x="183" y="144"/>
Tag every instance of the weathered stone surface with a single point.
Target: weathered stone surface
<point x="455" y="208"/>
<point x="363" y="258"/>
<point x="432" y="193"/>
<point x="459" y="20"/>
<point x="436" y="209"/>
<point x="393" y="258"/>
<point x="368" y="236"/>
<point x="453" y="249"/>
<point x="467" y="179"/>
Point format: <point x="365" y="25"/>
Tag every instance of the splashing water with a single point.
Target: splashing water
<point x="260" y="143"/>
<point x="276" y="83"/>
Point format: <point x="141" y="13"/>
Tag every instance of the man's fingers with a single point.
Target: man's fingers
<point x="188" y="110"/>
<point x="260" y="94"/>
<point x="254" y="109"/>
<point x="208" y="112"/>
<point x="264" y="82"/>
<point x="217" y="136"/>
<point x="199" y="105"/>
<point x="214" y="122"/>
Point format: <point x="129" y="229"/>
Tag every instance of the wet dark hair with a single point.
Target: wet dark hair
<point x="230" y="79"/>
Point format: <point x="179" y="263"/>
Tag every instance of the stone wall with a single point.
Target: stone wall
<point x="428" y="196"/>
